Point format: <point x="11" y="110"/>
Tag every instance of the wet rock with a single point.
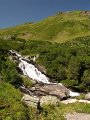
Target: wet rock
<point x="41" y="68"/>
<point x="87" y="96"/>
<point x="45" y="100"/>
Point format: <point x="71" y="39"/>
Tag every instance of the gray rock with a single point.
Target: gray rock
<point x="57" y="90"/>
<point x="31" y="101"/>
<point x="87" y="96"/>
<point x="34" y="101"/>
<point x="45" y="100"/>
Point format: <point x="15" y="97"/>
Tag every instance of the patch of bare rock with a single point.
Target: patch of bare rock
<point x="77" y="116"/>
<point x="70" y="100"/>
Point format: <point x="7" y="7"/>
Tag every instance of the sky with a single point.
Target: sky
<point x="15" y="12"/>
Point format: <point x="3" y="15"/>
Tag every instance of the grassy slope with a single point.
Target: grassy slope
<point x="51" y="112"/>
<point x="11" y="107"/>
<point x="58" y="28"/>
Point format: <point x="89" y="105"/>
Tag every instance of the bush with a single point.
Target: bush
<point x="70" y="83"/>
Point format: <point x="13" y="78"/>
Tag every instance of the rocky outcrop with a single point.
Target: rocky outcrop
<point x="87" y="96"/>
<point x="37" y="102"/>
<point x="57" y="90"/>
<point x="43" y="94"/>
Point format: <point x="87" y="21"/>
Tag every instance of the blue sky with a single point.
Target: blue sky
<point x="14" y="12"/>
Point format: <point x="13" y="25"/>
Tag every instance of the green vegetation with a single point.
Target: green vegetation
<point x="27" y="82"/>
<point x="51" y="112"/>
<point x="11" y="107"/>
<point x="58" y="28"/>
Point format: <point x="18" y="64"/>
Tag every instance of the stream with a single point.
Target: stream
<point x="32" y="72"/>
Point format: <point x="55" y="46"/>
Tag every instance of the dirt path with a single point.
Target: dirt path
<point x="77" y="116"/>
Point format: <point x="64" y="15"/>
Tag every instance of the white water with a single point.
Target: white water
<point x="73" y="94"/>
<point x="30" y="70"/>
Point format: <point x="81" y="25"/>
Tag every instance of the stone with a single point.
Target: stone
<point x="87" y="96"/>
<point x="31" y="101"/>
<point x="57" y="90"/>
<point x="45" y="100"/>
<point x="69" y="101"/>
<point x="37" y="102"/>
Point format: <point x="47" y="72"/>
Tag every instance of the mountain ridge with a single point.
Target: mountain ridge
<point x="61" y="27"/>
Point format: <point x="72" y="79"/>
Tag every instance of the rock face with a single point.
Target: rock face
<point x="57" y="90"/>
<point x="87" y="96"/>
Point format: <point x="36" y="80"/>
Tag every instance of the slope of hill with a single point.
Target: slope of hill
<point x="58" y="28"/>
<point x="67" y="63"/>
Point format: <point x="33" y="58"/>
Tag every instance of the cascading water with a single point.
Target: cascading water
<point x="31" y="71"/>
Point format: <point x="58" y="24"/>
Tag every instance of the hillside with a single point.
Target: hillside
<point x="61" y="27"/>
<point x="58" y="48"/>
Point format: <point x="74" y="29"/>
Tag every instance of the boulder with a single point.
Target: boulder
<point x="45" y="100"/>
<point x="87" y="96"/>
<point x="57" y="90"/>
<point x="31" y="101"/>
<point x="38" y="102"/>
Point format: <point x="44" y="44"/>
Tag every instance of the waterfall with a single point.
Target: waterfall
<point x="31" y="71"/>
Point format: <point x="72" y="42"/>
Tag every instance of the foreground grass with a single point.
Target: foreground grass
<point x="11" y="107"/>
<point x="58" y="113"/>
